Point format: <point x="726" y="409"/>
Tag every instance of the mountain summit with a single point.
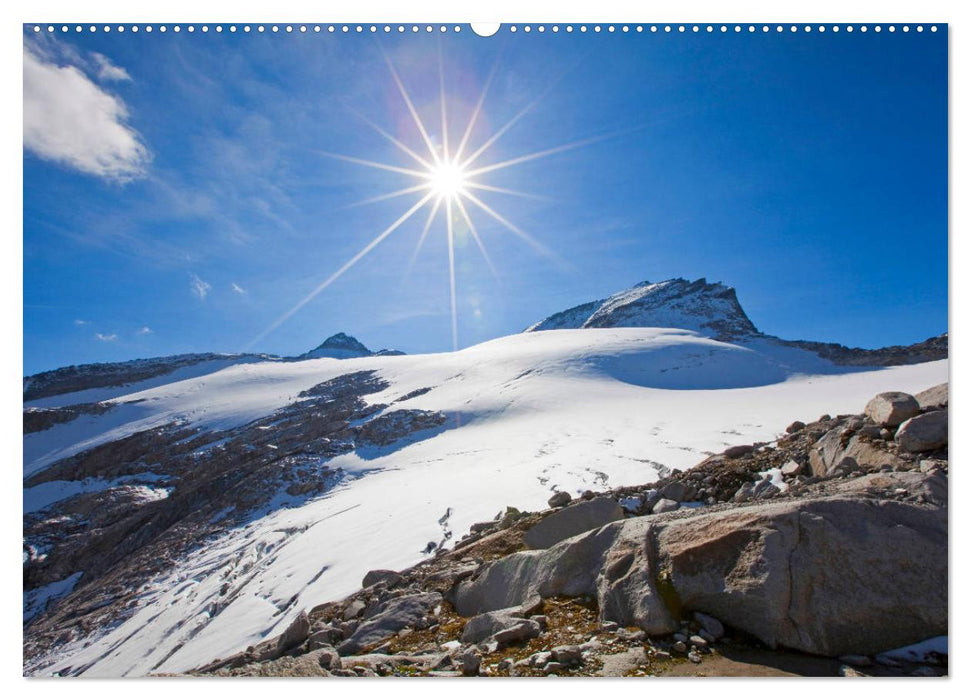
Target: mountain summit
<point x="711" y="309"/>
<point x="341" y="346"/>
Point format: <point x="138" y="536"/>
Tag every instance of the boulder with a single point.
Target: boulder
<point x="891" y="408"/>
<point x="795" y="426"/>
<point x="558" y="499"/>
<point x="517" y="632"/>
<point x="395" y="615"/>
<point x="483" y="626"/>
<point x="665" y="505"/>
<point x="580" y="517"/>
<point x="739" y="451"/>
<point x="296" y="633"/>
<point x="792" y="468"/>
<point x="392" y="578"/>
<point x="829" y="576"/>
<point x="935" y="397"/>
<point x="831" y="453"/>
<point x="923" y="433"/>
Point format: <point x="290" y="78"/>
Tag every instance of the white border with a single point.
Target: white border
<point x="451" y="11"/>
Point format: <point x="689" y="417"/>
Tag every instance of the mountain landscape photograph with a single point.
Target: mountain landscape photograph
<point x="564" y="350"/>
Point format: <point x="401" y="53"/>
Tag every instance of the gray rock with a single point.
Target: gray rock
<point x="392" y="578"/>
<point x="676" y="491"/>
<point x="739" y="451"/>
<point x="573" y="520"/>
<point x="520" y="631"/>
<point x="698" y="641"/>
<point x="324" y="637"/>
<point x="891" y="408"/>
<point x="296" y="633"/>
<point x="616" y="665"/>
<point x="709" y="623"/>
<point x="923" y="433"/>
<point x="398" y="613"/>
<point x="795" y="426"/>
<point x="694" y="657"/>
<point x="830" y="454"/>
<point x="487" y="624"/>
<point x="665" y="505"/>
<point x="793" y="468"/>
<point x="558" y="499"/>
<point x="829" y="576"/>
<point x="934" y="397"/>
<point x="353" y="609"/>
<point x="567" y="654"/>
<point x="468" y="661"/>
<point x="679" y="647"/>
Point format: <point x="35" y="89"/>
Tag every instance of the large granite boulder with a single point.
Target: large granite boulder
<point x="829" y="576"/>
<point x="891" y="408"/>
<point x="934" y="397"/>
<point x="923" y="433"/>
<point x="832" y="452"/>
<point x="581" y="517"/>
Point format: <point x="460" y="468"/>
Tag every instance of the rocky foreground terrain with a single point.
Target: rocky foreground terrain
<point x="817" y="554"/>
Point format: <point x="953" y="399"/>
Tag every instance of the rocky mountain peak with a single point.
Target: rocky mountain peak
<point x="340" y="346"/>
<point x="709" y="308"/>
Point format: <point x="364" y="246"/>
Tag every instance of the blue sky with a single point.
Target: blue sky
<point x="178" y="196"/>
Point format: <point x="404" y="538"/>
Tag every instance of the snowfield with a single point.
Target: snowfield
<point x="528" y="414"/>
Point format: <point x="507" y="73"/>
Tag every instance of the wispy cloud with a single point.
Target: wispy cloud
<point x="68" y="119"/>
<point x="199" y="286"/>
<point x="80" y="322"/>
<point x="144" y="330"/>
<point x="237" y="289"/>
<point x="108" y="71"/>
<point x="106" y="337"/>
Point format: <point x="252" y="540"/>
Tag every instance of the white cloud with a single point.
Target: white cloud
<point x="108" y="71"/>
<point x="106" y="338"/>
<point x="236" y="288"/>
<point x="70" y="120"/>
<point x="79" y="322"/>
<point x="144" y="330"/>
<point x="199" y="287"/>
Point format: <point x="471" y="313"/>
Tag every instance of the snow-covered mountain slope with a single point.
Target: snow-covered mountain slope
<point x="711" y="309"/>
<point x="524" y="415"/>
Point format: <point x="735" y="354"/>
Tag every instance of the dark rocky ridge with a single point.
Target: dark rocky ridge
<point x="215" y="481"/>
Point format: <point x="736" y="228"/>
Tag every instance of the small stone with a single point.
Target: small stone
<point x="679" y="647"/>
<point x="391" y="578"/>
<point x="540" y="659"/>
<point x="468" y="661"/>
<point x="698" y="641"/>
<point x="739" y="451"/>
<point x="793" y="468"/>
<point x="709" y="623"/>
<point x="609" y="626"/>
<point x="662" y="655"/>
<point x="680" y="637"/>
<point x="694" y="657"/>
<point x="665" y="505"/>
<point x="451" y="645"/>
<point x="795" y="426"/>
<point x="886" y="434"/>
<point x="353" y="609"/>
<point x="567" y="654"/>
<point x="559" y="499"/>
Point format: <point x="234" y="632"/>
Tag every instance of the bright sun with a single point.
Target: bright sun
<point x="447" y="179"/>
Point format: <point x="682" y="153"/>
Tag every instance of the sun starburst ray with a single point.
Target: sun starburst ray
<point x="424" y="232"/>
<point x="475" y="237"/>
<point x="412" y="110"/>
<point x="539" y="247"/>
<point x="503" y="190"/>
<point x="475" y="113"/>
<point x="451" y="274"/>
<point x="389" y="195"/>
<point x="422" y="161"/>
<point x="373" y="164"/>
<point x="344" y="268"/>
